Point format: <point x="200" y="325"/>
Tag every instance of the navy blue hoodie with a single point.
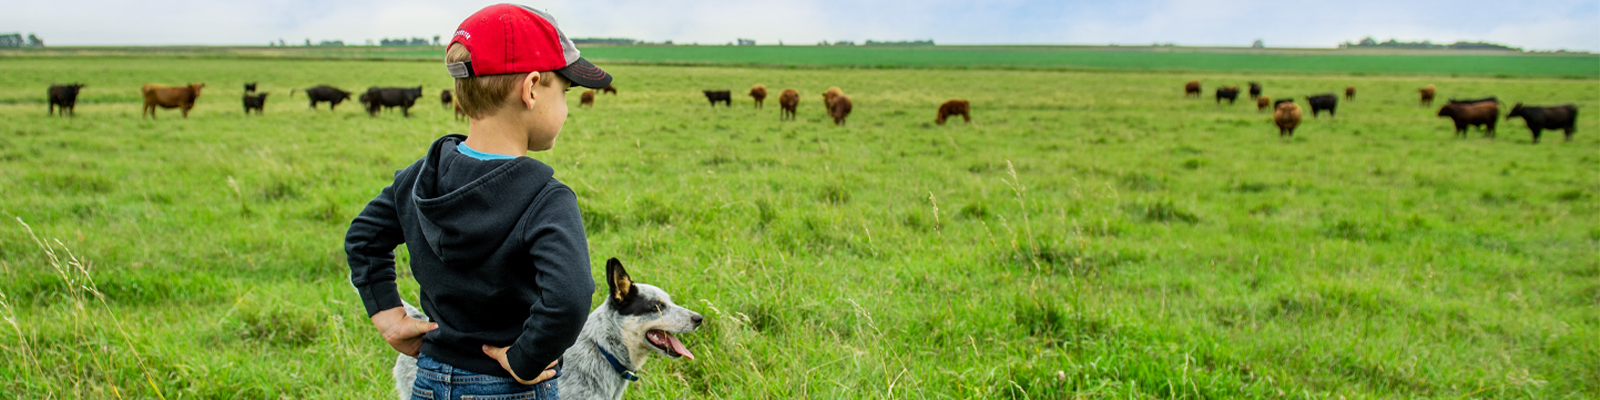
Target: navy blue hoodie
<point x="498" y="248"/>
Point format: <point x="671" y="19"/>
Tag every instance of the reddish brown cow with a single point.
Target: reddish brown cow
<point x="789" y="100"/>
<point x="1192" y="88"/>
<point x="839" y="109"/>
<point x="827" y="97"/>
<point x="1287" y="117"/>
<point x="759" y="93"/>
<point x="954" y="107"/>
<point x="609" y="89"/>
<point x="1262" y="103"/>
<point x="181" y="97"/>
<point x="1349" y="93"/>
<point x="586" y="99"/>
<point x="1427" y="95"/>
<point x="1468" y="114"/>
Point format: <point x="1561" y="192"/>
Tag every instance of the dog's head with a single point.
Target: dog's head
<point x="646" y="315"/>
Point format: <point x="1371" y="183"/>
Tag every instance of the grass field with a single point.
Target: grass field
<point x="1089" y="235"/>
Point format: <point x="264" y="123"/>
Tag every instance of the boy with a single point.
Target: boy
<point x="496" y="241"/>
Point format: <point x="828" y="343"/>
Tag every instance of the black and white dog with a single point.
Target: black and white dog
<point x="635" y="321"/>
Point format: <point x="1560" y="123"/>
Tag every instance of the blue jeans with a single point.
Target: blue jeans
<point x="440" y="381"/>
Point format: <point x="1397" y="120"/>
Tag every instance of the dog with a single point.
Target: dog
<point x="635" y="321"/>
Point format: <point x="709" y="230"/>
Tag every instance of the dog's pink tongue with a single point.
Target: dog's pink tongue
<point x="677" y="346"/>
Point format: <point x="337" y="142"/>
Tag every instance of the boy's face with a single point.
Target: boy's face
<point x="549" y="112"/>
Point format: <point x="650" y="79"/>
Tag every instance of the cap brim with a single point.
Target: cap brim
<point x="584" y="73"/>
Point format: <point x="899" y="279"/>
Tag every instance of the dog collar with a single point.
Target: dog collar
<point x="617" y="365"/>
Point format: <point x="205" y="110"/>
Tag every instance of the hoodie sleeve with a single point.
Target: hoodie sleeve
<point x="369" y="246"/>
<point x="560" y="253"/>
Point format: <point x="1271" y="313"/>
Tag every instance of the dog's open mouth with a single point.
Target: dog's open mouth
<point x="668" y="343"/>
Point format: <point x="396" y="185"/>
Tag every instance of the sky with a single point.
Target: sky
<point x="1551" y="25"/>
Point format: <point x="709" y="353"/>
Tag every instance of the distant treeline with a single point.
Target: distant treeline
<point x="16" y="40"/>
<point x="416" y="41"/>
<point x="1370" y="43"/>
<point x="929" y="42"/>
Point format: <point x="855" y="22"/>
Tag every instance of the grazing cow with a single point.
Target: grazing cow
<point x="1255" y="90"/>
<point x="324" y="93"/>
<point x="954" y="107"/>
<point x="586" y="99"/>
<point x="460" y="115"/>
<point x="445" y="99"/>
<point x="839" y="109"/>
<point x="1563" y="117"/>
<point x="180" y="97"/>
<point x="66" y="98"/>
<point x="1468" y="114"/>
<point x="719" y="95"/>
<point x="1427" y="95"/>
<point x="1490" y="99"/>
<point x="1325" y="101"/>
<point x="1287" y="117"/>
<point x="250" y="87"/>
<point x="257" y="102"/>
<point x="827" y="97"/>
<point x="789" y="101"/>
<point x="1349" y="93"/>
<point x="1280" y="102"/>
<point x="1231" y="93"/>
<point x="378" y="98"/>
<point x="1262" y="103"/>
<point x="1192" y="88"/>
<point x="759" y="93"/>
<point x="609" y="89"/>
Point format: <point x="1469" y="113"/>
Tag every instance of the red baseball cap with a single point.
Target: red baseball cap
<point x="514" y="39"/>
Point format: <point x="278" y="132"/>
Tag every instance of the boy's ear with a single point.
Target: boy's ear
<point x="528" y="84"/>
<point x="621" y="284"/>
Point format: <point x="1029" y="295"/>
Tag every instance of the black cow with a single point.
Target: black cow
<point x="257" y="102"/>
<point x="1231" y="93"/>
<point x="1281" y="101"/>
<point x="378" y="98"/>
<point x="1255" y="90"/>
<point x="325" y="93"/>
<point x="1563" y="117"/>
<point x="1492" y="99"/>
<point x="445" y="99"/>
<point x="1325" y="101"/>
<point x="65" y="97"/>
<point x="250" y="87"/>
<point x="724" y="96"/>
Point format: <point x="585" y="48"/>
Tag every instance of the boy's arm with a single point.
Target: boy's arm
<point x="369" y="246"/>
<point x="561" y="254"/>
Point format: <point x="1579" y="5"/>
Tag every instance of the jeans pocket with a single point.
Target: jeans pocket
<point x="421" y="394"/>
<point x="534" y="395"/>
<point x="550" y="390"/>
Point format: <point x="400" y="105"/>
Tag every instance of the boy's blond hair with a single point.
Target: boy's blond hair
<point x="482" y="96"/>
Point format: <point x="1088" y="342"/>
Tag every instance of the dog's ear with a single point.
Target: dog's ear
<point x="621" y="284"/>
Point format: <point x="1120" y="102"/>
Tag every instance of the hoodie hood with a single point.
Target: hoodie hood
<point x="467" y="207"/>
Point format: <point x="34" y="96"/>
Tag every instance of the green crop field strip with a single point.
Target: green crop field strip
<point x="1090" y="233"/>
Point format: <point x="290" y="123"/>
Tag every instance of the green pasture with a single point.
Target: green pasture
<point x="1088" y="235"/>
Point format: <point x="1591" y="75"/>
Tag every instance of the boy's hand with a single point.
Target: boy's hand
<point x="402" y="332"/>
<point x="499" y="354"/>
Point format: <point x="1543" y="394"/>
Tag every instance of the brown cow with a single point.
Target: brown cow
<point x="181" y="97"/>
<point x="460" y="115"/>
<point x="1262" y="103"/>
<point x="1193" y="87"/>
<point x="1287" y="117"/>
<point x="586" y="99"/>
<point x="1468" y="114"/>
<point x="1427" y="95"/>
<point x="759" y="92"/>
<point x="788" y="101"/>
<point x="954" y="107"/>
<point x="1349" y="93"/>
<point x="609" y="89"/>
<point x="827" y="97"/>
<point x="839" y="109"/>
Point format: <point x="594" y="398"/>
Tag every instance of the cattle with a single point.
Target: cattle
<point x="954" y="107"/>
<point x="180" y="97"/>
<point x="1231" y="93"/>
<point x="1427" y="95"/>
<point x="828" y="95"/>
<point x="1325" y="101"/>
<point x="1349" y="93"/>
<point x="719" y="95"/>
<point x="759" y="93"/>
<point x="1255" y="90"/>
<point x="324" y="93"/>
<point x="839" y="109"/>
<point x="257" y="102"/>
<point x="1287" y="117"/>
<point x="1262" y="103"/>
<point x="1192" y="88"/>
<point x="609" y="89"/>
<point x="445" y="99"/>
<point x="1468" y="114"/>
<point x="378" y="98"/>
<point x="1280" y="102"/>
<point x="586" y="99"/>
<point x="1563" y="117"/>
<point x="64" y="97"/>
<point x="250" y="87"/>
<point x="789" y="101"/>
<point x="1490" y="99"/>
